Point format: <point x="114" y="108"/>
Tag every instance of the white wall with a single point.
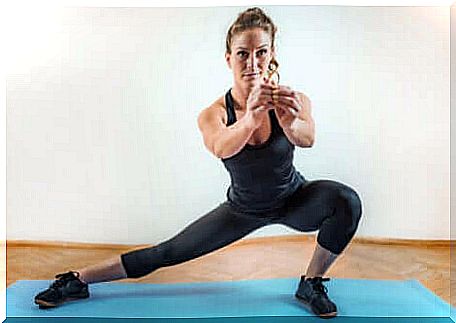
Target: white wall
<point x="453" y="150"/>
<point x="102" y="139"/>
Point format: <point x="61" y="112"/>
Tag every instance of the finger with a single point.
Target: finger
<point x="285" y="110"/>
<point x="265" y="92"/>
<point x="290" y="102"/>
<point x="271" y="106"/>
<point x="278" y="92"/>
<point x="289" y="106"/>
<point x="286" y="91"/>
<point x="261" y="108"/>
<point x="262" y="90"/>
<point x="266" y="86"/>
<point x="265" y="98"/>
<point x="280" y="110"/>
<point x="258" y="104"/>
<point x="275" y="95"/>
<point x="264" y="108"/>
<point x="262" y="97"/>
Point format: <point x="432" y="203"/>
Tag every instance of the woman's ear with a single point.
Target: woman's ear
<point x="228" y="59"/>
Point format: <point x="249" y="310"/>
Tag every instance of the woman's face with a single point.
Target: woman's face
<point x="250" y="55"/>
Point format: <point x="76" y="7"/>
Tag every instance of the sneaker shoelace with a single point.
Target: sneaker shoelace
<point x="319" y="287"/>
<point x="62" y="279"/>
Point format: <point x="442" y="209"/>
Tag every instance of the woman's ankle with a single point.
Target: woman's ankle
<point x="80" y="276"/>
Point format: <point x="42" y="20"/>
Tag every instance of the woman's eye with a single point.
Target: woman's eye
<point x="262" y="51"/>
<point x="242" y="54"/>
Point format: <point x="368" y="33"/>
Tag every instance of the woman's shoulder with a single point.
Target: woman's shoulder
<point x="216" y="109"/>
<point x="218" y="104"/>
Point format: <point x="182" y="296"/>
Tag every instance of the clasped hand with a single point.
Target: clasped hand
<point x="286" y="102"/>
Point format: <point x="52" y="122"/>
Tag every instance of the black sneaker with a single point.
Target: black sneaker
<point x="66" y="287"/>
<point x="312" y="294"/>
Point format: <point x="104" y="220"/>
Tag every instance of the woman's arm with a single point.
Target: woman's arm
<point x="296" y="120"/>
<point x="219" y="139"/>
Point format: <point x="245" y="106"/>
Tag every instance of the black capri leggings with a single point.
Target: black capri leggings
<point x="328" y="206"/>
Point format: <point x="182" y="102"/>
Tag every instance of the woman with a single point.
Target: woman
<point x="253" y="129"/>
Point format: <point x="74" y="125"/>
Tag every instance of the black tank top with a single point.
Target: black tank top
<point x="263" y="175"/>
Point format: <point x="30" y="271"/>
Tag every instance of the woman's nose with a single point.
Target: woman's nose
<point x="252" y="62"/>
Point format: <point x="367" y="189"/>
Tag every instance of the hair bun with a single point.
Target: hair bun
<point x="255" y="9"/>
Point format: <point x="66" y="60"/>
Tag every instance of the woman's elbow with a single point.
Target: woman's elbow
<point x="310" y="141"/>
<point x="307" y="142"/>
<point x="217" y="151"/>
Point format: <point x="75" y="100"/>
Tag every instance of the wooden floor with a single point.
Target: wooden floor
<point x="253" y="260"/>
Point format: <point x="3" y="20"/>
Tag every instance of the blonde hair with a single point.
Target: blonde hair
<point x="253" y="18"/>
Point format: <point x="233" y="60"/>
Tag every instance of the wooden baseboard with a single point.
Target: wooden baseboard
<point x="258" y="240"/>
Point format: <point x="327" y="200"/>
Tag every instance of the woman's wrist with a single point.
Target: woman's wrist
<point x="249" y="121"/>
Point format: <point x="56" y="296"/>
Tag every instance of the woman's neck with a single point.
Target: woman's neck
<point x="240" y="95"/>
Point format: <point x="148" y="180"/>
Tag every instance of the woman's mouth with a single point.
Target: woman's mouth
<point x="251" y="75"/>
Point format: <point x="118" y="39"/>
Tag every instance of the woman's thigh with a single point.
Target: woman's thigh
<point x="311" y="204"/>
<point x="214" y="230"/>
<point x="217" y="228"/>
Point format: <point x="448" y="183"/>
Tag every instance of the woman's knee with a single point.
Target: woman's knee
<point x="140" y="262"/>
<point x="352" y="203"/>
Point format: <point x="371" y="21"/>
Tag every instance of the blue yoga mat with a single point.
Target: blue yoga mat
<point x="267" y="300"/>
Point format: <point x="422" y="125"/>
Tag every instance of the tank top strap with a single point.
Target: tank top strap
<point x="274" y="122"/>
<point x="230" y="108"/>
